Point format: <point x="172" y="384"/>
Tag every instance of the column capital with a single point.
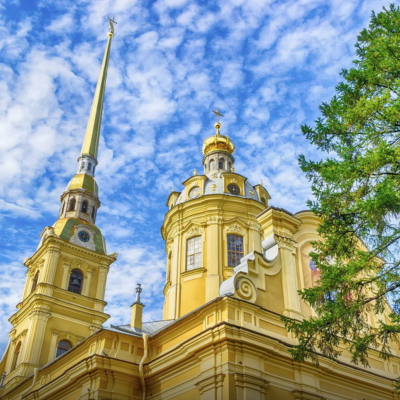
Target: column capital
<point x="42" y="315"/>
<point x="103" y="269"/>
<point x="285" y="242"/>
<point x="53" y="249"/>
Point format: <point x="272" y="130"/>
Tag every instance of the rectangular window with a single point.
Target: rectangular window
<point x="235" y="250"/>
<point x="193" y="253"/>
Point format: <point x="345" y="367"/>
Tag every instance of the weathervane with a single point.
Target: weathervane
<point x="112" y="22"/>
<point x="217" y="113"/>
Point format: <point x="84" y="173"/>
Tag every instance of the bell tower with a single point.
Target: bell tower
<point x="63" y="300"/>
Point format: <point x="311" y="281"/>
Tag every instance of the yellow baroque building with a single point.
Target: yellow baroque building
<point x="234" y="267"/>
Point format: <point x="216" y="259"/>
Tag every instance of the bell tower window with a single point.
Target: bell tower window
<point x="16" y="356"/>
<point x="221" y="163"/>
<point x="63" y="347"/>
<point x="84" y="207"/>
<point x="235" y="250"/>
<point x="35" y="281"/>
<point x="212" y="164"/>
<point x="89" y="166"/>
<point x="193" y="253"/>
<point x="72" y="205"/>
<point x="75" y="281"/>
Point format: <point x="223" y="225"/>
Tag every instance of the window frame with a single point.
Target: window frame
<point x="197" y="264"/>
<point x="85" y="206"/>
<point x="60" y="350"/>
<point x="17" y="352"/>
<point x="72" y="204"/>
<point x="35" y="281"/>
<point x="238" y="254"/>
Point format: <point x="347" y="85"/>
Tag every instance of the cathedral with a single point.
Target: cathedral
<point x="234" y="265"/>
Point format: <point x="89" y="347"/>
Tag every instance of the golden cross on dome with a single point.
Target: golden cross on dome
<point x="112" y="22"/>
<point x="217" y="113"/>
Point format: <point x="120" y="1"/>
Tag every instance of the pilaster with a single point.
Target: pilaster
<point x="53" y="346"/>
<point x="36" y="333"/>
<point x="66" y="272"/>
<point x="287" y="248"/>
<point x="101" y="284"/>
<point x="87" y="282"/>
<point x="50" y="268"/>
<point x="214" y="259"/>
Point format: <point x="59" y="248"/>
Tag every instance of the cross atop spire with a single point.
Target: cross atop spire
<point x="217" y="113"/>
<point x="111" y="22"/>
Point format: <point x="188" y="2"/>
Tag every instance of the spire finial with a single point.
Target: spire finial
<point x="138" y="291"/>
<point x="217" y="126"/>
<point x="111" y="22"/>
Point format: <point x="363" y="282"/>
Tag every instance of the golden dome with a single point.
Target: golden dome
<point x="218" y="142"/>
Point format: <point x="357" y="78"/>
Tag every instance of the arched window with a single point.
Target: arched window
<point x="83" y="166"/>
<point x="221" y="163"/>
<point x="16" y="356"/>
<point x="84" y="207"/>
<point x="72" y="205"/>
<point x="35" y="281"/>
<point x="63" y="347"/>
<point x="75" y="281"/>
<point x="212" y="164"/>
<point x="235" y="250"/>
<point x="89" y="166"/>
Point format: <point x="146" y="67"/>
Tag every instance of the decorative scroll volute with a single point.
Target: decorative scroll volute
<point x="245" y="289"/>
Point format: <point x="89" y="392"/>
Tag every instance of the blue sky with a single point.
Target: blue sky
<point x="266" y="64"/>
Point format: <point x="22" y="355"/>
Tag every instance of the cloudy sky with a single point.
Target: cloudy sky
<point x="266" y="64"/>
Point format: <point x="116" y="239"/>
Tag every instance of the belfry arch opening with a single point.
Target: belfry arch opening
<point x="75" y="281"/>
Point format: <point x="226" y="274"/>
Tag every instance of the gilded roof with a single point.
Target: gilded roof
<point x="218" y="142"/>
<point x="83" y="181"/>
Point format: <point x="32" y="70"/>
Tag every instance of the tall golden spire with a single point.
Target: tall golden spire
<point x="80" y="200"/>
<point x="91" y="142"/>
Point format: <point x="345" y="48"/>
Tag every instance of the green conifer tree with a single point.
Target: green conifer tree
<point x="357" y="192"/>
